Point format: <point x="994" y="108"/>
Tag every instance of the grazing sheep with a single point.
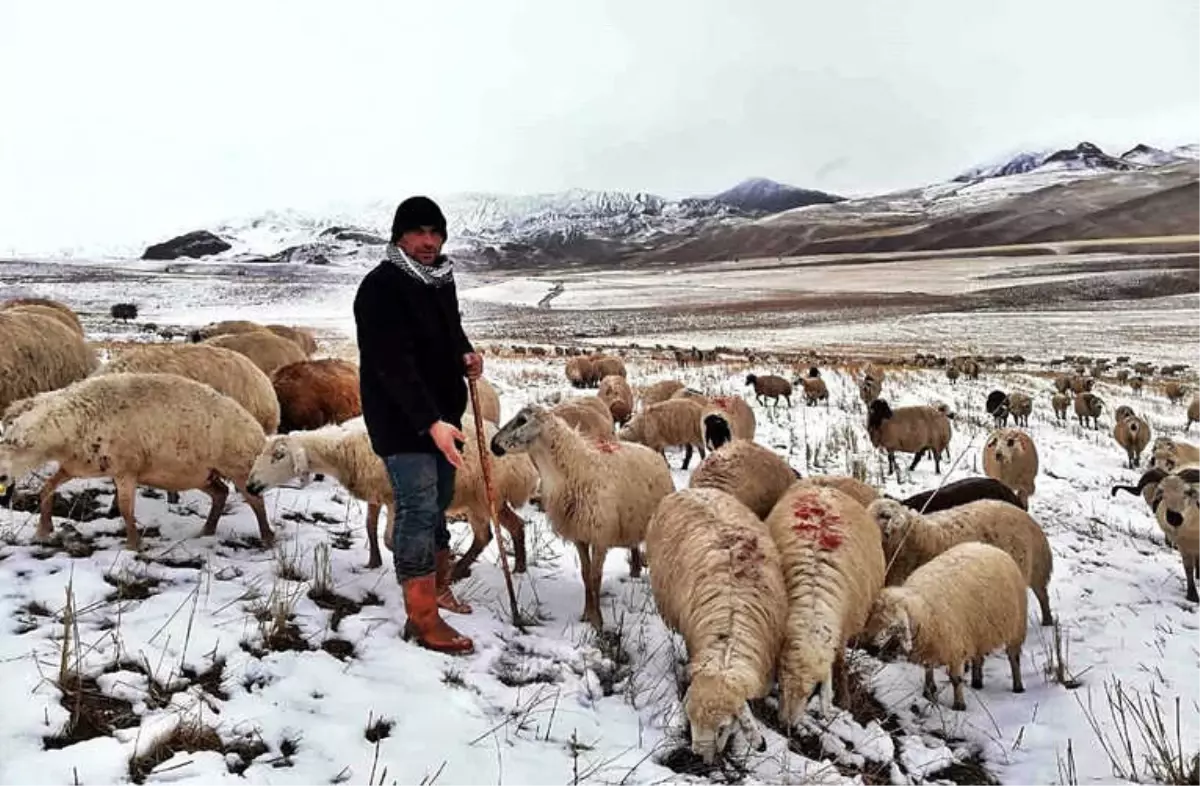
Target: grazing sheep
<point x="717" y="579"/>
<point x="1011" y="457"/>
<point x="1132" y="433"/>
<point x="580" y="414"/>
<point x="756" y="475"/>
<point x="659" y="391"/>
<point x="40" y="354"/>
<point x="862" y="493"/>
<point x="344" y="453"/>
<point x="1170" y="454"/>
<point x="224" y="370"/>
<point x="316" y="393"/>
<point x="671" y="423"/>
<point x="160" y="430"/>
<point x="1177" y="510"/>
<point x="833" y="566"/>
<point x="910" y="539"/>
<point x="607" y="366"/>
<point x="299" y="336"/>
<point x="908" y="430"/>
<point x="1193" y="413"/>
<point x="616" y="393"/>
<point x="66" y="318"/>
<point x="1060" y="402"/>
<point x="581" y="372"/>
<point x="265" y="349"/>
<point x="960" y="492"/>
<point x="597" y="494"/>
<point x="1174" y="391"/>
<point x="770" y="386"/>
<point x="955" y="609"/>
<point x="225" y="327"/>
<point x="1020" y="406"/>
<point x="815" y="390"/>
<point x="1088" y="406"/>
<point x="997" y="406"/>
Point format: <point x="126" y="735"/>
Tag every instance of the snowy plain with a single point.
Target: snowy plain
<point x="350" y="700"/>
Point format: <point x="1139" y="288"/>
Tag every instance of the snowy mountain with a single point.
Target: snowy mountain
<point x="1015" y="164"/>
<point x="761" y="195"/>
<point x="1146" y="155"/>
<point x="1084" y="157"/>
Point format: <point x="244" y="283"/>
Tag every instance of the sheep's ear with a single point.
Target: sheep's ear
<point x="1190" y="475"/>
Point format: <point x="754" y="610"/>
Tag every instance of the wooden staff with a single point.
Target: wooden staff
<point x="485" y="461"/>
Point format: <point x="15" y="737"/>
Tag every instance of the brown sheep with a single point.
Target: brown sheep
<point x="302" y="337"/>
<point x="770" y="386"/>
<point x="909" y="430"/>
<point x="659" y="391"/>
<point x="581" y="415"/>
<point x="489" y="402"/>
<point x="1174" y="391"/>
<point x="1193" y="412"/>
<point x="815" y="390"/>
<point x="265" y="349"/>
<point x="1132" y="433"/>
<point x="673" y="422"/>
<point x="224" y="327"/>
<point x="607" y="366"/>
<point x="40" y="354"/>
<point x="1060" y="402"/>
<point x="581" y="372"/>
<point x="68" y="320"/>
<point x="1088" y="406"/>
<point x="616" y="393"/>
<point x="316" y="393"/>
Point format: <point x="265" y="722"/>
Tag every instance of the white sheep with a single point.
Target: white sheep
<point x="1011" y="457"/>
<point x="954" y="609"/>
<point x="40" y="354"/>
<point x="910" y="539"/>
<point x="160" y="430"/>
<point x="756" y="475"/>
<point x="598" y="494"/>
<point x="862" y="493"/>
<point x="833" y="566"/>
<point x="716" y="578"/>
<point x="659" y="391"/>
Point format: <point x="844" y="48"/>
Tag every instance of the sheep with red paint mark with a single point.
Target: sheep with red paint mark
<point x="833" y="565"/>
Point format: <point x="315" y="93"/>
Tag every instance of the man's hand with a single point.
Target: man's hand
<point x="473" y="363"/>
<point x="443" y="435"/>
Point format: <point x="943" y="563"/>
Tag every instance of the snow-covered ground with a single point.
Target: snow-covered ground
<point x="351" y="702"/>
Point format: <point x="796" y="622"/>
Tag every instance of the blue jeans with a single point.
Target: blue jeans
<point x="423" y="487"/>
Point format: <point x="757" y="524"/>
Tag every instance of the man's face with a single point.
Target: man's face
<point x="422" y="244"/>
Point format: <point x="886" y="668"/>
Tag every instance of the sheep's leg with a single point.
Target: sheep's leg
<point x="126" y="495"/>
<point x="754" y="736"/>
<point x="1043" y="599"/>
<point x="977" y="673"/>
<point x="515" y="526"/>
<point x="687" y="455"/>
<point x="172" y="497"/>
<point x="218" y="493"/>
<point x="1014" y="663"/>
<point x="891" y="462"/>
<point x="937" y="460"/>
<point x="374" y="558"/>
<point x="930" y="690"/>
<point x="1191" y="568"/>
<point x="841" y="680"/>
<point x="260" y="512"/>
<point x="585" y="569"/>
<point x="46" y="504"/>
<point x="597" y="574"/>
<point x="481" y="537"/>
<point x="916" y="459"/>
<point x="635" y="562"/>
<point x="956" y="680"/>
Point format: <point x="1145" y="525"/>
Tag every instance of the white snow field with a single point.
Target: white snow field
<point x="214" y="664"/>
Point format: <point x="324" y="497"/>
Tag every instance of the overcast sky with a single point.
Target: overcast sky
<point x="124" y="122"/>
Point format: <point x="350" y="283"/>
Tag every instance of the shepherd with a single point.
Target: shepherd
<point x="413" y="356"/>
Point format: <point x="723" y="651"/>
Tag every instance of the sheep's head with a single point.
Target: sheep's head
<point x="996" y="401"/>
<point x="521" y="431"/>
<point x="888" y="633"/>
<point x="1005" y="445"/>
<point x="1122" y="412"/>
<point x="16" y="461"/>
<point x="634" y="430"/>
<point x="282" y="458"/>
<point x="1163" y="455"/>
<point x="751" y="379"/>
<point x="892" y="517"/>
<point x="878" y="412"/>
<point x="1177" y="498"/>
<point x="716" y="430"/>
<point x="713" y="708"/>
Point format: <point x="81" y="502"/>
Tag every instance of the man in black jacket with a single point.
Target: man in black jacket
<point x="413" y="355"/>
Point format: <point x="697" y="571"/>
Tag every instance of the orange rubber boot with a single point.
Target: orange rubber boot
<point x="425" y="623"/>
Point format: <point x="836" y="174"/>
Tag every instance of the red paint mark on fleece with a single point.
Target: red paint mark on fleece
<point x="814" y="521"/>
<point x="723" y="402"/>
<point x="606" y="445"/>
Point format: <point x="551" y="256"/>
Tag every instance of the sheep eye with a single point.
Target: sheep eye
<point x="1012" y="442"/>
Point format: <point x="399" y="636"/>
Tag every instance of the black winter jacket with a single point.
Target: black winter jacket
<point x="411" y="372"/>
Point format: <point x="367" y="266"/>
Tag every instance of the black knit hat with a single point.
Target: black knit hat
<point x="416" y="212"/>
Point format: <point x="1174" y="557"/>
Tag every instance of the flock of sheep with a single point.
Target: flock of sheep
<point x="768" y="576"/>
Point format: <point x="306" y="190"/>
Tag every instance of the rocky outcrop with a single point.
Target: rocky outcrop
<point x="354" y="235"/>
<point x="194" y="245"/>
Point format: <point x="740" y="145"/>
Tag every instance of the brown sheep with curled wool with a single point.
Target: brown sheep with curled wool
<point x="265" y="349"/>
<point x="39" y="354"/>
<point x="316" y="393"/>
<point x="615" y="392"/>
